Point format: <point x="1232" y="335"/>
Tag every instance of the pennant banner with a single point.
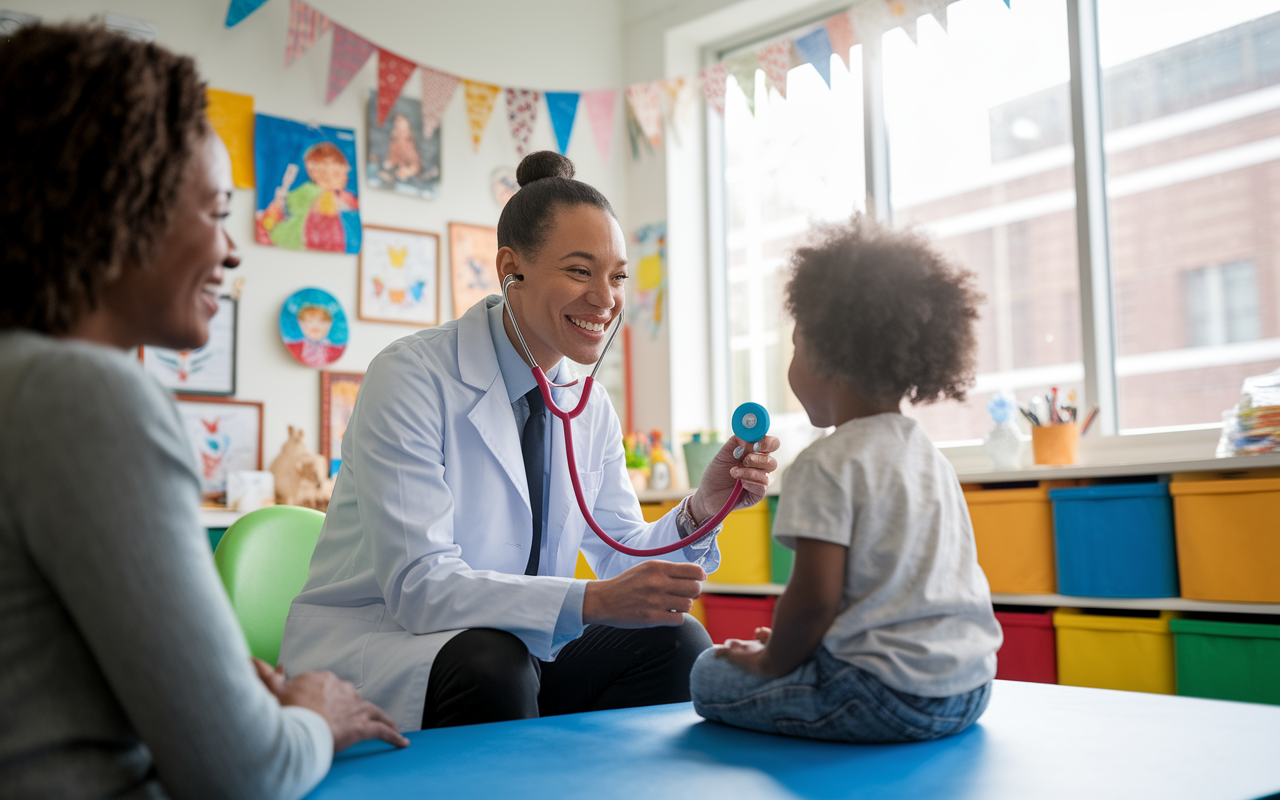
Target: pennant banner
<point x="713" y="79"/>
<point x="775" y="60"/>
<point x="393" y="74"/>
<point x="646" y="105"/>
<point x="676" y="94"/>
<point x="437" y="90"/>
<point x="600" y="106"/>
<point x="841" y="37"/>
<point x="305" y="26"/>
<point x="480" y="100"/>
<point x="239" y="9"/>
<point x="815" y="48"/>
<point x="349" y="54"/>
<point x="563" y="108"/>
<point x="522" y="111"/>
<point x="743" y="69"/>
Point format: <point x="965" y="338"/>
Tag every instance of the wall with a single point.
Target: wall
<point x="552" y="44"/>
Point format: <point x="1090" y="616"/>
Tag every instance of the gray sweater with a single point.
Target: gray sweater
<point x="123" y="672"/>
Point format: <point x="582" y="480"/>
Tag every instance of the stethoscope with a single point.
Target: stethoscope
<point x="750" y="424"/>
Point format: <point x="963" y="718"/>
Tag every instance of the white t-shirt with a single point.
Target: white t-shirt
<point x="916" y="610"/>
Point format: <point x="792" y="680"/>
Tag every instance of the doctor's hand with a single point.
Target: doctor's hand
<point x="351" y="719"/>
<point x="646" y="596"/>
<point x="754" y="469"/>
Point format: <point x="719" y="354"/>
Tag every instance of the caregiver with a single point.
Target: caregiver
<point x="442" y="583"/>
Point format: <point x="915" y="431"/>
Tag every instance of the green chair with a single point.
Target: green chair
<point x="263" y="560"/>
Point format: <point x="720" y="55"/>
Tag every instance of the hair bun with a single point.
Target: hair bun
<point x="543" y="164"/>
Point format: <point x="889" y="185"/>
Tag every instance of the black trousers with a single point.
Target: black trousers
<point x="486" y="675"/>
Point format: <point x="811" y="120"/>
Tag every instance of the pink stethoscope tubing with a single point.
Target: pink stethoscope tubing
<point x="565" y="417"/>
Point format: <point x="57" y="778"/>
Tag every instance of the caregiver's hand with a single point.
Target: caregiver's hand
<point x="351" y="718"/>
<point x="647" y="595"/>
<point x="753" y="469"/>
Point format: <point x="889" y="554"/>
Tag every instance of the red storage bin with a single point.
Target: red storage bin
<point x="730" y="617"/>
<point x="1029" y="652"/>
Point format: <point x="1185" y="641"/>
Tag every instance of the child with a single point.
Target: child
<point x="318" y="215"/>
<point x="885" y="632"/>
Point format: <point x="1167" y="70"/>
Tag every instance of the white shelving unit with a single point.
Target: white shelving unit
<point x="219" y="517"/>
<point x="1234" y="464"/>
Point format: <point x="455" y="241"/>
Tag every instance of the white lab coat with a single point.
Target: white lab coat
<point x="429" y="527"/>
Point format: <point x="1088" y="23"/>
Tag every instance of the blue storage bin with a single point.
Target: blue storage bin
<point x="1115" y="541"/>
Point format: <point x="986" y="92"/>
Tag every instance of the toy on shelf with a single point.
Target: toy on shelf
<point x="1004" y="443"/>
<point x="300" y="475"/>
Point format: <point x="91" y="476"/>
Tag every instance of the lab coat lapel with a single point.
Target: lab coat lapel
<point x="491" y="415"/>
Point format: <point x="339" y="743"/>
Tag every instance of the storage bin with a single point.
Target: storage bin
<point x="652" y="512"/>
<point x="1115" y="541"/>
<point x="733" y="617"/>
<point x="1013" y="529"/>
<point x="1228" y="537"/>
<point x="744" y="547"/>
<point x="1227" y="660"/>
<point x="1130" y="653"/>
<point x="1029" y="652"/>
<point x="780" y="558"/>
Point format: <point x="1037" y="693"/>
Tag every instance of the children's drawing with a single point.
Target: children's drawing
<point x="648" y="291"/>
<point x="473" y="261"/>
<point x="308" y="195"/>
<point x="400" y="158"/>
<point x="314" y="327"/>
<point x="399" y="276"/>
<point x="337" y="400"/>
<point x="207" y="370"/>
<point x="226" y="437"/>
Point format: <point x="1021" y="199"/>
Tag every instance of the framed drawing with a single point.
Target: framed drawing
<point x="207" y="370"/>
<point x="473" y="255"/>
<point x="226" y="437"/>
<point x="400" y="157"/>
<point x="337" y="400"/>
<point x="399" y="276"/>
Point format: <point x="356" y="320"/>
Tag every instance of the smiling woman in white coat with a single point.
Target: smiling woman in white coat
<point x="442" y="584"/>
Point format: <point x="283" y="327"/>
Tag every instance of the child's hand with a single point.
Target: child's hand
<point x="745" y="654"/>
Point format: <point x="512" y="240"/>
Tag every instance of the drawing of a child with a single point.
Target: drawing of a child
<point x="318" y="215"/>
<point x="402" y="161"/>
<point x="314" y="348"/>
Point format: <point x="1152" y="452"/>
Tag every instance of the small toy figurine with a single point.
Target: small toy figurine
<point x="1004" y="443"/>
<point x="299" y="475"/>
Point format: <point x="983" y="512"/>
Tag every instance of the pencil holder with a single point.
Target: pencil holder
<point x="1055" y="444"/>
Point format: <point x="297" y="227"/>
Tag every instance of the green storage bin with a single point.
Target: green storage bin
<point x="780" y="558"/>
<point x="1227" y="660"/>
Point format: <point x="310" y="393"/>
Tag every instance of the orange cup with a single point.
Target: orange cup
<point x="1055" y="444"/>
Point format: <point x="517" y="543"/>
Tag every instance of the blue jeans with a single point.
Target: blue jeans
<point x="826" y="698"/>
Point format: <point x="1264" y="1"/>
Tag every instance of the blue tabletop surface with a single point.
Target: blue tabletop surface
<point x="1035" y="741"/>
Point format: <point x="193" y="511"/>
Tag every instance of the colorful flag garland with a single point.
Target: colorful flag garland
<point x="522" y="112"/>
<point x="305" y="26"/>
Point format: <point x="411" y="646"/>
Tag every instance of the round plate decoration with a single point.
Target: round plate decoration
<point x="314" y="327"/>
<point x="504" y="185"/>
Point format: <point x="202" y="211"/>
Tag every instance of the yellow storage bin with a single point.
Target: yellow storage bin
<point x="652" y="512"/>
<point x="1134" y="654"/>
<point x="583" y="569"/>
<point x="744" y="547"/>
<point x="1013" y="529"/>
<point x="1228" y="537"/>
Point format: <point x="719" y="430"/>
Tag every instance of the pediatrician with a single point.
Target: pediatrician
<point x="442" y="582"/>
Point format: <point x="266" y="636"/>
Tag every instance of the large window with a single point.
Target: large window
<point x="981" y="155"/>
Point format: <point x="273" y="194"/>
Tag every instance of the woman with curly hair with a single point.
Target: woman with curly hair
<point x="125" y="673"/>
<point x="885" y="632"/>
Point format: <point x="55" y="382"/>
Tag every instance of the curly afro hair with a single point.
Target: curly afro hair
<point x="884" y="312"/>
<point x="98" y="132"/>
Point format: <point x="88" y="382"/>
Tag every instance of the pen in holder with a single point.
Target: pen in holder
<point x="1055" y="444"/>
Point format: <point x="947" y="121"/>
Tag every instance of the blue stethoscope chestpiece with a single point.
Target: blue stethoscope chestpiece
<point x="750" y="422"/>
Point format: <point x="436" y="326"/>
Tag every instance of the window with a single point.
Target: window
<point x="981" y="154"/>
<point x="795" y="161"/>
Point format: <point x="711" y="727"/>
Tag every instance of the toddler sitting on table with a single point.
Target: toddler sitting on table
<point x="885" y="632"/>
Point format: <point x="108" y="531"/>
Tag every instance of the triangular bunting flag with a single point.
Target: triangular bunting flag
<point x="646" y="104"/>
<point x="393" y="74"/>
<point x="305" y="26"/>
<point x="349" y="54"/>
<point x="908" y="25"/>
<point x="743" y="69"/>
<point x="840" y="33"/>
<point x="480" y="100"/>
<point x="600" y="105"/>
<point x="563" y="108"/>
<point x="522" y="111"/>
<point x="938" y="10"/>
<point x="815" y="48"/>
<point x="437" y="90"/>
<point x="775" y="60"/>
<point x="675" y="103"/>
<point x="713" y="79"/>
<point x="239" y="9"/>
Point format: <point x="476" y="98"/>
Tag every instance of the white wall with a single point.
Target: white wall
<point x="552" y="44"/>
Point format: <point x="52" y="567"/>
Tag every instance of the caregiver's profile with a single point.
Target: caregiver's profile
<point x="442" y="582"/>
